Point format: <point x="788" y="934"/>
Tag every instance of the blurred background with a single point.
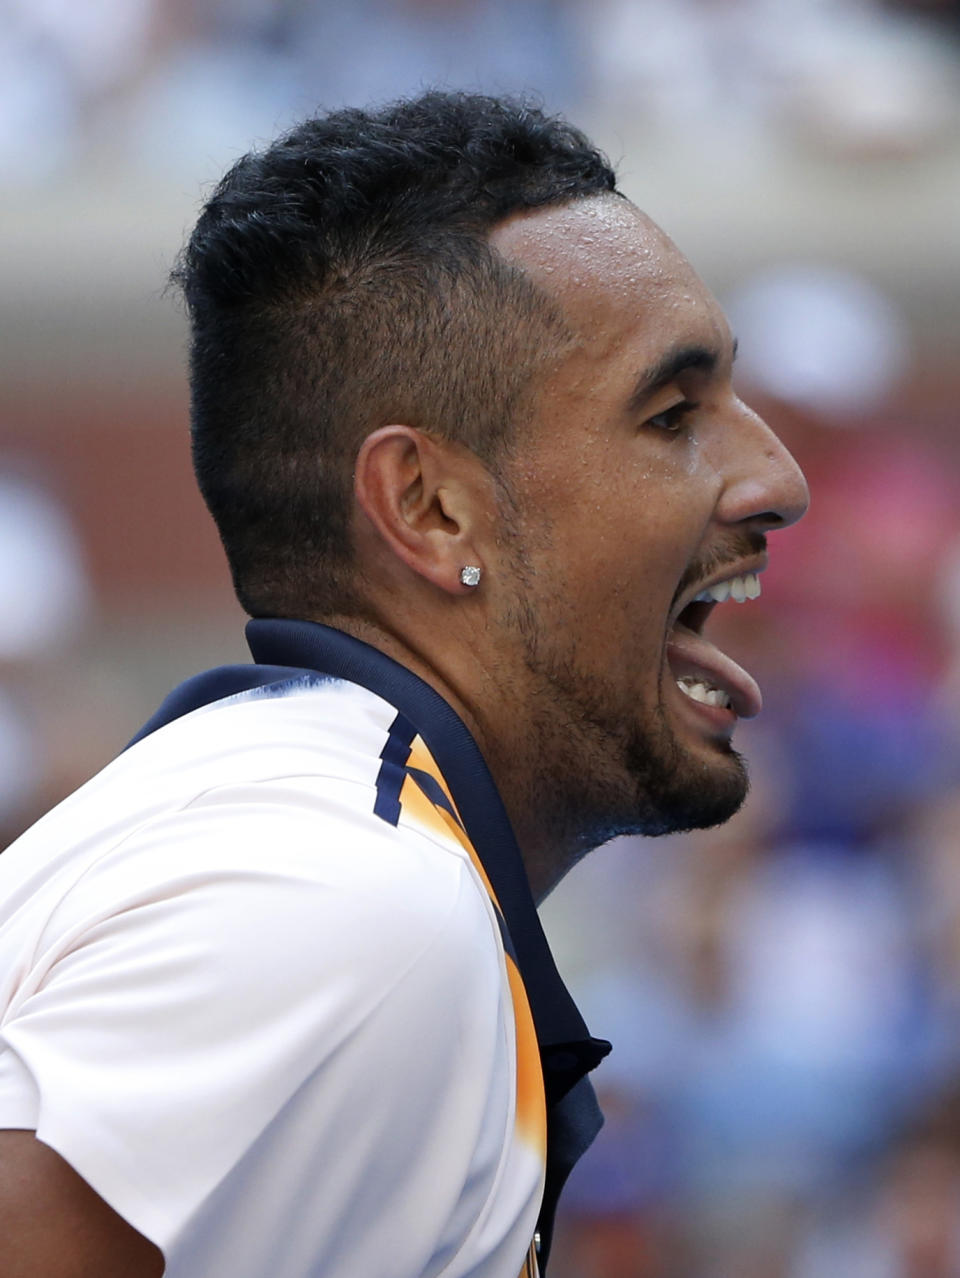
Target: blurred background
<point x="784" y="1097"/>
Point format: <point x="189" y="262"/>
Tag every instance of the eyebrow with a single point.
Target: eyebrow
<point x="670" y="365"/>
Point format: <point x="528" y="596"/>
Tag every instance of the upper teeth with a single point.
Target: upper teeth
<point x="739" y="589"/>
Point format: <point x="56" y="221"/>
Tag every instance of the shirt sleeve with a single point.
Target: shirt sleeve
<point x="194" y="980"/>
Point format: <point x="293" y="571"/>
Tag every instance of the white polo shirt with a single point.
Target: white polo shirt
<point x="254" y="988"/>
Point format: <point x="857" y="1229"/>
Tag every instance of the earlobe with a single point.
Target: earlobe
<point x="415" y="493"/>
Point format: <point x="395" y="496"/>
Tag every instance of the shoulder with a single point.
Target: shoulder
<point x="286" y="875"/>
<point x="218" y="762"/>
<point x="248" y="827"/>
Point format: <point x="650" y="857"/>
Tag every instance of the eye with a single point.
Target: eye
<point x="673" y="419"/>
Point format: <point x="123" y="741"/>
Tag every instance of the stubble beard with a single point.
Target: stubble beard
<point x="596" y="768"/>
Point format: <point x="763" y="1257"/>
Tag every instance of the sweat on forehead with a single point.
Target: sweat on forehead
<point x="606" y="225"/>
<point x="608" y="264"/>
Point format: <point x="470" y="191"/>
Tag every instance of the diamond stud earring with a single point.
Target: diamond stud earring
<point x="470" y="575"/>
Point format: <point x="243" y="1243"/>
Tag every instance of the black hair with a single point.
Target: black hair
<point x="342" y="279"/>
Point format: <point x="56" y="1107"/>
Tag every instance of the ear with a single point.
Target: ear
<point x="421" y="496"/>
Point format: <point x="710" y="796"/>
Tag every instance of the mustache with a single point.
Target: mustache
<point x="741" y="545"/>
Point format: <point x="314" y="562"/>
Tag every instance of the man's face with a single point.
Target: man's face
<point x="641" y="482"/>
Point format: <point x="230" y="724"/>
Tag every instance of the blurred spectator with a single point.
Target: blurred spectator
<point x="44" y="605"/>
<point x="818" y="337"/>
<point x="44" y="592"/>
<point x="904" y="1222"/>
<point x="185" y="84"/>
<point x="60" y="61"/>
<point x="846" y="73"/>
<point x="246" y="69"/>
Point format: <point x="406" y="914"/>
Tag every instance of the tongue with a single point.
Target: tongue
<point x="690" y="654"/>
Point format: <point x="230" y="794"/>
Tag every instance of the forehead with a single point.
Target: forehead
<point x="615" y="274"/>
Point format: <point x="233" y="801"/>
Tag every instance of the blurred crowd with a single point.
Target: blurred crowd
<point x="784" y="992"/>
<point x="170" y="82"/>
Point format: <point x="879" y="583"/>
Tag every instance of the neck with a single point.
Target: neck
<point x="548" y="850"/>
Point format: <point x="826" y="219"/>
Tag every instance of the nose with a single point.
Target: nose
<point x="763" y="483"/>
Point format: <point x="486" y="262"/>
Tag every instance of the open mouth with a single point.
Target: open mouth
<point x="702" y="672"/>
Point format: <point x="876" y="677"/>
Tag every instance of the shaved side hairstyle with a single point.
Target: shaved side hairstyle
<point x="342" y="280"/>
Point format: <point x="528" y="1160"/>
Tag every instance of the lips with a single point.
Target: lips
<point x="705" y="675"/>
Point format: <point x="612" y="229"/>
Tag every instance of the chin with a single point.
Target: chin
<point x="659" y="793"/>
<point x="675" y="791"/>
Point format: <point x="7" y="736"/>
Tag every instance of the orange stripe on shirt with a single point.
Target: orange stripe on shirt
<point x="531" y="1097"/>
<point x="420" y="757"/>
<point x="531" y="1122"/>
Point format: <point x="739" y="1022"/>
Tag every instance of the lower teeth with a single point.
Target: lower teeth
<point x="697" y="690"/>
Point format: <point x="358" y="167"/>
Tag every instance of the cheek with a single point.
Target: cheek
<point x="615" y="528"/>
<point x="616" y="620"/>
<point x="619" y="551"/>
